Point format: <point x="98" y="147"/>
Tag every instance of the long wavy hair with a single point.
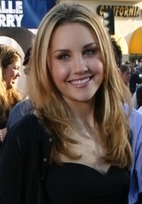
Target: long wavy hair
<point x="51" y="108"/>
<point x="8" y="97"/>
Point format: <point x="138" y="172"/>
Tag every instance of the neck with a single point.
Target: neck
<point x="82" y="112"/>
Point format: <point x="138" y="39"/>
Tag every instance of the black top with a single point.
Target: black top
<point x="73" y="183"/>
<point x="24" y="157"/>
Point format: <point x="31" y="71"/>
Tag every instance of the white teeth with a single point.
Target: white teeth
<point x="78" y="82"/>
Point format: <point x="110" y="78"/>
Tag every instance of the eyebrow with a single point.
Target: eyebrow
<point x="93" y="43"/>
<point x="66" y="50"/>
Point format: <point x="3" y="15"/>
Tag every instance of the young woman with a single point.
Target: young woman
<point x="10" y="61"/>
<point x="24" y="106"/>
<point x="75" y="148"/>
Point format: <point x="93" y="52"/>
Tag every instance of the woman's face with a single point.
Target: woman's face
<point x="11" y="73"/>
<point x="75" y="62"/>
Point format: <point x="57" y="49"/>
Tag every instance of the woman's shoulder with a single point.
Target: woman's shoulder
<point x="28" y="132"/>
<point x="26" y="129"/>
<point x="28" y="121"/>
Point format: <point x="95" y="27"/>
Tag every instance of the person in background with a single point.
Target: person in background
<point x="135" y="192"/>
<point x="10" y="62"/>
<point x="26" y="60"/>
<point x="136" y="99"/>
<point x="134" y="79"/>
<point x="138" y="66"/>
<point x="125" y="73"/>
<point x="117" y="52"/>
<point x="77" y="139"/>
<point x="139" y="99"/>
<point x="24" y="106"/>
<point x="124" y="70"/>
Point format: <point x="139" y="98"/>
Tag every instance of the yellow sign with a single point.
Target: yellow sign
<point x="122" y="11"/>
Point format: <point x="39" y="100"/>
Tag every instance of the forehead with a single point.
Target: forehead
<point x="14" y="64"/>
<point x="76" y="31"/>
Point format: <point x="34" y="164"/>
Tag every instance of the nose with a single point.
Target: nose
<point x="79" y="64"/>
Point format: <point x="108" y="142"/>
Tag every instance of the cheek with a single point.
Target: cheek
<point x="10" y="74"/>
<point x="6" y="74"/>
<point x="94" y="62"/>
<point x="59" y="72"/>
<point x="8" y="71"/>
<point x="97" y="67"/>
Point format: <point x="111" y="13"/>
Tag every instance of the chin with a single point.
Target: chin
<point x="9" y="86"/>
<point x="85" y="99"/>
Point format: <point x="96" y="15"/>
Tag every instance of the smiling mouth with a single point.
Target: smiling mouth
<point x="81" y="81"/>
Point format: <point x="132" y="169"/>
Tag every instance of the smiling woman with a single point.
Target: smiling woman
<point x="77" y="74"/>
<point x="10" y="61"/>
<point x="74" y="148"/>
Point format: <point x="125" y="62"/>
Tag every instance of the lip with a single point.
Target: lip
<point x="81" y="82"/>
<point x="15" y="78"/>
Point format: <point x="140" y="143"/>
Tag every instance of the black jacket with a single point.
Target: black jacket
<point x="134" y="80"/>
<point x="24" y="157"/>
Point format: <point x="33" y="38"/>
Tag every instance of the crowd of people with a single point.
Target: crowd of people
<point x="76" y="137"/>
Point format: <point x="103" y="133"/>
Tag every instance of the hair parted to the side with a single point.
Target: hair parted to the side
<point x="109" y="99"/>
<point x="8" y="97"/>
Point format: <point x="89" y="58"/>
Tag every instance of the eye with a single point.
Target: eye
<point x="90" y="52"/>
<point x="63" y="56"/>
<point x="16" y="68"/>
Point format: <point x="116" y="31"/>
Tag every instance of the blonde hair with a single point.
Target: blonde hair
<point x="109" y="99"/>
<point x="8" y="97"/>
